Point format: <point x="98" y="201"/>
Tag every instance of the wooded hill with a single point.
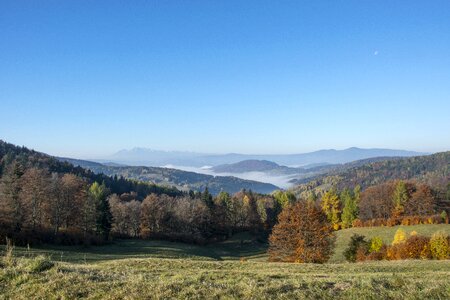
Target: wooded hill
<point x="27" y="158"/>
<point x="433" y="170"/>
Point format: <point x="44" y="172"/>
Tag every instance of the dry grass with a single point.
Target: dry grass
<point x="175" y="278"/>
<point x="236" y="269"/>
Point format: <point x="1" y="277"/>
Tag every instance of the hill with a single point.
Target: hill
<point x="250" y="165"/>
<point x="28" y="158"/>
<point x="182" y="180"/>
<point x="431" y="169"/>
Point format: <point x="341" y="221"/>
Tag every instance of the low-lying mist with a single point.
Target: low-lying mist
<point x="280" y="181"/>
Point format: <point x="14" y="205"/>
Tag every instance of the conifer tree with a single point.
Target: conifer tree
<point x="350" y="210"/>
<point x="103" y="217"/>
<point x="331" y="207"/>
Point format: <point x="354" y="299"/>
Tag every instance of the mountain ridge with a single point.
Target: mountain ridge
<point x="151" y="157"/>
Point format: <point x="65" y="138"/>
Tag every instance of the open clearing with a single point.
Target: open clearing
<point x="136" y="269"/>
<point x="239" y="246"/>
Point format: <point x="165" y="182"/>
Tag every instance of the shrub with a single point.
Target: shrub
<point x="378" y="255"/>
<point x="444" y="217"/>
<point x="413" y="247"/>
<point x="393" y="222"/>
<point x="439" y="245"/>
<point x="375" y="244"/>
<point x="357" y="223"/>
<point x="399" y="237"/>
<point x="426" y="252"/>
<point x="356" y="242"/>
<point x="394" y="252"/>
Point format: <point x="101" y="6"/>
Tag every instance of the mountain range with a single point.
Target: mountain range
<point x="156" y="158"/>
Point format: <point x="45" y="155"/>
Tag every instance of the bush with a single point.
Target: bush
<point x="357" y="246"/>
<point x="414" y="246"/>
<point x="444" y="217"/>
<point x="378" y="255"/>
<point x="375" y="244"/>
<point x="439" y="245"/>
<point x="357" y="223"/>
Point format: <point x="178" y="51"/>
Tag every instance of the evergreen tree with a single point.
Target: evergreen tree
<point x="11" y="206"/>
<point x="350" y="210"/>
<point x="103" y="217"/>
<point x="207" y="198"/>
<point x="400" y="197"/>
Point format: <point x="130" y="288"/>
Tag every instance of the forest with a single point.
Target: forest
<point x="43" y="200"/>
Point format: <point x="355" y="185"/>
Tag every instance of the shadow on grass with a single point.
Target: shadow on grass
<point x="242" y="245"/>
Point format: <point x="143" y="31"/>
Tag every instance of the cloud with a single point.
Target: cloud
<point x="375" y="52"/>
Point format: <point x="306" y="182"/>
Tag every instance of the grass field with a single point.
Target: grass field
<point x="136" y="269"/>
<point x="239" y="246"/>
<point x="153" y="278"/>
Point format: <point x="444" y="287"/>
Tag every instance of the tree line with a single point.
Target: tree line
<point x="37" y="205"/>
<point x="387" y="203"/>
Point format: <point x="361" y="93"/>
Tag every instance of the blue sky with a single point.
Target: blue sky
<point x="88" y="78"/>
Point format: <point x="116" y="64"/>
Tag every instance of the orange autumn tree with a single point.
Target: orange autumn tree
<point x="303" y="235"/>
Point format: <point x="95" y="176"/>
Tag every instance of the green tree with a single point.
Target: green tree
<point x="11" y="206"/>
<point x="350" y="209"/>
<point x="400" y="197"/>
<point x="207" y="198"/>
<point x="103" y="217"/>
<point x="284" y="198"/>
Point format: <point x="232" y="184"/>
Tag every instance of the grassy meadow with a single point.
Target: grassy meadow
<point x="135" y="269"/>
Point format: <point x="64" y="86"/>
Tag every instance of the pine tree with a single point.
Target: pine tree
<point x="103" y="217"/>
<point x="350" y="210"/>
<point x="207" y="198"/>
<point x="11" y="206"/>
<point x="400" y="198"/>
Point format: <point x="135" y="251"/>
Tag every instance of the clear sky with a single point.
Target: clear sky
<point x="88" y="78"/>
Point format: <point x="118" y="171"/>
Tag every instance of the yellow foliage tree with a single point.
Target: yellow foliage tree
<point x="331" y="207"/>
<point x="399" y="237"/>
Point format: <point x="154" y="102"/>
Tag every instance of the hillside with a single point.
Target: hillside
<point x="431" y="169"/>
<point x="183" y="180"/>
<point x="251" y="165"/>
<point x="28" y="158"/>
